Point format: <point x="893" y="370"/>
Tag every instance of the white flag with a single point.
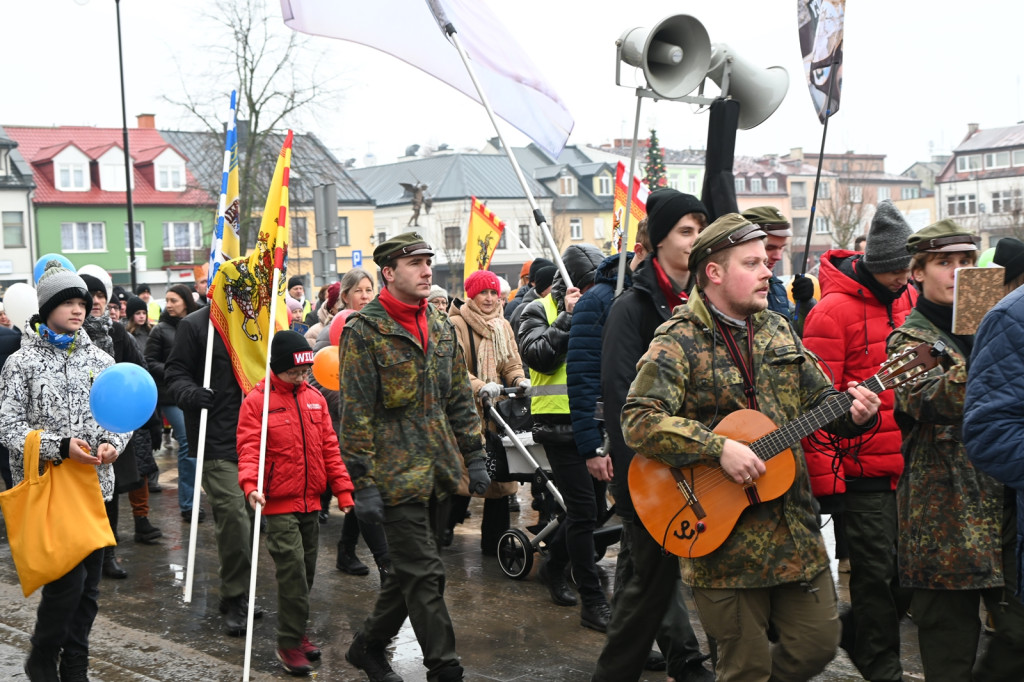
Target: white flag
<point x="408" y="29"/>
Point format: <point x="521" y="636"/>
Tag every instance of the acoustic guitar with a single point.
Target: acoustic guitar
<point x="690" y="511"/>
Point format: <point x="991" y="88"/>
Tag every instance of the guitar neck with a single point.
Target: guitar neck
<point x="788" y="435"/>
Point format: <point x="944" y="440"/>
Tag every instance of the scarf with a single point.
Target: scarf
<point x="98" y="329"/>
<point x="61" y="341"/>
<point x="496" y="345"/>
<point x="668" y="290"/>
<point x="942" y="317"/>
<point x="412" y="316"/>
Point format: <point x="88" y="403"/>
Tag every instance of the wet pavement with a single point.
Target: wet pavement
<point x="506" y="630"/>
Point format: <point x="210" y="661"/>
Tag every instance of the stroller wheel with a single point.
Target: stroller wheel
<point x="515" y="554"/>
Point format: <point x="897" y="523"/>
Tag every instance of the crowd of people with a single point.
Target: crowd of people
<point x="922" y="483"/>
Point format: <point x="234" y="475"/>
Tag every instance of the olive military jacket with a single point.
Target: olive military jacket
<point x="406" y="412"/>
<point x="686" y="382"/>
<point x="950" y="513"/>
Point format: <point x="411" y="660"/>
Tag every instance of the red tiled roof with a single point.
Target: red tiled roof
<point x="41" y="144"/>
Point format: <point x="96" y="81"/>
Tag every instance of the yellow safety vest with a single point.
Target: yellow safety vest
<point x="549" y="404"/>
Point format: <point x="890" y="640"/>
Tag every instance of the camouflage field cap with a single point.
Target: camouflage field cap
<point x="769" y="219"/>
<point x="942" y="237"/>
<point x="401" y="246"/>
<point x="726" y="232"/>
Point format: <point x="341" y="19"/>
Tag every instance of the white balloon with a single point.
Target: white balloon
<point x="21" y="303"/>
<point x="100" y="274"/>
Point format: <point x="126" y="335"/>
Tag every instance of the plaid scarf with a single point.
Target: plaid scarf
<point x="496" y="345"/>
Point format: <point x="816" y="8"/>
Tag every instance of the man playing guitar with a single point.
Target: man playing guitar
<point x="719" y="353"/>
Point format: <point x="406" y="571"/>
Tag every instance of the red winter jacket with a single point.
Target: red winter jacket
<point x="847" y="329"/>
<point x="302" y="453"/>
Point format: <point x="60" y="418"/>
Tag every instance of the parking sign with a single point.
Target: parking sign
<point x="357" y="258"/>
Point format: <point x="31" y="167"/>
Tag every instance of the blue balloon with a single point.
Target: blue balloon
<point x="37" y="271"/>
<point x="123" y="397"/>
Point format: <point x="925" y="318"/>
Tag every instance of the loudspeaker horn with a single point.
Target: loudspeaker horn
<point x="759" y="91"/>
<point x="674" y="54"/>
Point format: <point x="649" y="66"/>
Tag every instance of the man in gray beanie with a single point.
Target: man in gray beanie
<point x="864" y="297"/>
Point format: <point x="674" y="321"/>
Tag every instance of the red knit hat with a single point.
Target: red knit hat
<point x="481" y="280"/>
<point x="331" y="300"/>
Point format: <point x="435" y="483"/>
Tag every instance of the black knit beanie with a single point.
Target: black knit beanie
<point x="886" y="247"/>
<point x="289" y="349"/>
<point x="134" y="305"/>
<point x="536" y="266"/>
<point x="664" y="209"/>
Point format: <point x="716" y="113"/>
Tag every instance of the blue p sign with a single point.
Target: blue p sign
<point x="357" y="258"/>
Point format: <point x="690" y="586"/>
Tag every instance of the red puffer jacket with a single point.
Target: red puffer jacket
<point x="847" y="329"/>
<point x="302" y="449"/>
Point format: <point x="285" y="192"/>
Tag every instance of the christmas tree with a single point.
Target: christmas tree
<point x="654" y="169"/>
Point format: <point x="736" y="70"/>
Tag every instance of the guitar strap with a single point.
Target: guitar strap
<point x="746" y="370"/>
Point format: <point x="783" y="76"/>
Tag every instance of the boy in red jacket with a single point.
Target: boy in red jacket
<point x="302" y="458"/>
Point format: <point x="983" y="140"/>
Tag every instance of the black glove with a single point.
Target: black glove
<point x="802" y="288"/>
<point x="369" y="505"/>
<point x="478" y="478"/>
<point x="202" y="398"/>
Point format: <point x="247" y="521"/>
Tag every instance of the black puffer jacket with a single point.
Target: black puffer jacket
<point x="158" y="349"/>
<point x="543" y="347"/>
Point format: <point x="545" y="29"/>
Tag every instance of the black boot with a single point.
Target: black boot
<point x="145" y="532"/>
<point x="74" y="667"/>
<point x="111" y="566"/>
<point x="554" y="578"/>
<point x="348" y="562"/>
<point x="41" y="665"/>
<point x="371" y="658"/>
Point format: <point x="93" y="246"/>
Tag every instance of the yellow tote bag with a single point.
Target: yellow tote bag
<point x="55" y="520"/>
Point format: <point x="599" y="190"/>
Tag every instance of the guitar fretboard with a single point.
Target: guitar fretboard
<point x="774" y="442"/>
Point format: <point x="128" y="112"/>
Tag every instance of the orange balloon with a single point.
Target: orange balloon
<point x="325" y="368"/>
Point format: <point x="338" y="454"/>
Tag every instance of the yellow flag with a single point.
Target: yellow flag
<point x="241" y="290"/>
<point x="482" y="238"/>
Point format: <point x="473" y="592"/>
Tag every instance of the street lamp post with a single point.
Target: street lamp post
<point x="128" y="169"/>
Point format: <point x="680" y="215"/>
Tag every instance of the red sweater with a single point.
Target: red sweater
<point x="847" y="329"/>
<point x="302" y="449"/>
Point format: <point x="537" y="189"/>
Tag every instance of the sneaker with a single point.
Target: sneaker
<point x="310" y="650"/>
<point x="370" y="657"/>
<point x="558" y="588"/>
<point x="596" y="615"/>
<point x="294" y="661"/>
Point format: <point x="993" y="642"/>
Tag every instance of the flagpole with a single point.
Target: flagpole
<point x="259" y="477"/>
<point x="821" y="158"/>
<point x="204" y="415"/>
<point x="620" y="283"/>
<point x="538" y="216"/>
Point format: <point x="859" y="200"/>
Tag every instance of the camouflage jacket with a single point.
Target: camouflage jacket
<point x="949" y="512"/>
<point x="406" y="414"/>
<point x="687" y="380"/>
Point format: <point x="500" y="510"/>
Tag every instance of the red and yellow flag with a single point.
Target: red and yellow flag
<point x="637" y="211"/>
<point x="241" y="290"/>
<point x="482" y="238"/>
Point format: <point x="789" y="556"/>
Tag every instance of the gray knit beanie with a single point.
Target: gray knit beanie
<point x="886" y="247"/>
<point x="58" y="284"/>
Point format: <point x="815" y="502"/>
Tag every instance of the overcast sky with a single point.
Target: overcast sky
<point x="915" y="73"/>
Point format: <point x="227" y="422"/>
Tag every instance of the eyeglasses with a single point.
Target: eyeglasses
<point x="301" y="371"/>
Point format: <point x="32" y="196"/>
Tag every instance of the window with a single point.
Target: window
<point x="968" y="163"/>
<point x="961" y="204"/>
<point x="501" y="241"/>
<point x="691" y="184"/>
<point x="821" y="225"/>
<point x="183" y="235"/>
<point x="170" y="177"/>
<point x="83" y="237"/>
<point x="452" y="238"/>
<point x="299" y="228"/>
<point x="997" y="160"/>
<point x="112" y="177"/>
<point x="71" y="177"/>
<point x="140" y="237"/>
<point x="799" y="227"/>
<point x="604" y="185"/>
<point x="567" y="186"/>
<point x="1006" y="201"/>
<point x="824" y="191"/>
<point x="598" y="228"/>
<point x="343" y="231"/>
<point x="673" y="182"/>
<point x="14" y="229"/>
<point x="524" y="235"/>
<point x="771" y="185"/>
<point x="799" y="195"/>
<point x="884" y="193"/>
<point x="381" y="238"/>
<point x="856" y="195"/>
<point x="575" y="228"/>
<point x="1018" y="157"/>
<point x="755" y="185"/>
<point x="741" y="185"/>
<point x="909" y="193"/>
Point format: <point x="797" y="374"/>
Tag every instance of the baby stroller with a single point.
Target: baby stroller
<point x="528" y="462"/>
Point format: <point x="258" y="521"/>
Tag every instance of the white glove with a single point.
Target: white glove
<point x="525" y="384"/>
<point x="490" y="390"/>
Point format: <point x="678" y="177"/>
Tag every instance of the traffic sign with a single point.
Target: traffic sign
<point x="357" y="258"/>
